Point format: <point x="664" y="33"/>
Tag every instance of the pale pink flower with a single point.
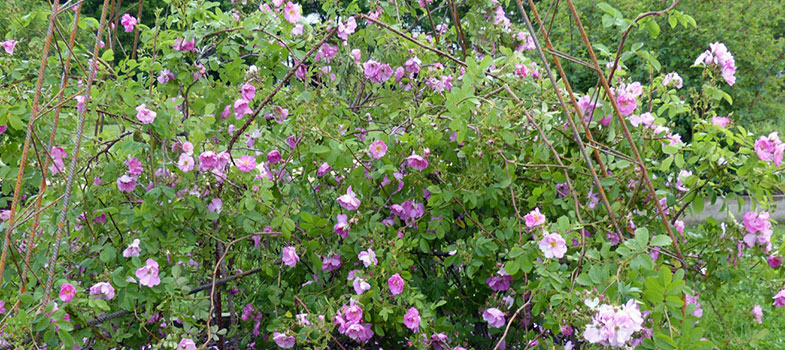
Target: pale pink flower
<point x="360" y="286"/>
<point x="672" y="79"/>
<point x="145" y="115"/>
<point x="292" y="12"/>
<point x="494" y="317"/>
<point x="349" y="201"/>
<point x="331" y="263"/>
<point x="128" y="22"/>
<point x="185" y="163"/>
<point x="148" y="274"/>
<point x="215" y="206"/>
<point x="412" y="319"/>
<point x="58" y="153"/>
<point x="126" y="183"/>
<point x="289" y="256"/>
<point x="186" y="344"/>
<point x="553" y="246"/>
<point x="103" y="289"/>
<point x="347" y="28"/>
<point x="357" y="55"/>
<point x="395" y="283"/>
<point x="720" y="121"/>
<point x="133" y="249"/>
<point x="757" y="314"/>
<point x="368" y="257"/>
<point x="67" y="292"/>
<point x="184" y="45"/>
<point x="534" y="218"/>
<point x="378" y="149"/>
<point x="323" y="169"/>
<point x="246" y="163"/>
<point x="298" y="29"/>
<point x="80" y="103"/>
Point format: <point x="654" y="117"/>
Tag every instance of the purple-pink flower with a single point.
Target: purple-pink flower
<point x="165" y="76"/>
<point x="186" y="344"/>
<point x="282" y="340"/>
<point x="148" y="274"/>
<point x="720" y="121"/>
<point x="342" y="227"/>
<point x="368" y="257"/>
<point x="246" y="163"/>
<point x="9" y="46"/>
<point x="757" y="314"/>
<point x="184" y="45"/>
<point x="412" y="319"/>
<point x="779" y="298"/>
<point x="274" y="156"/>
<point x="494" y="317"/>
<point x="323" y="169"/>
<point x="248" y="92"/>
<point x="347" y="28"/>
<point x="67" y="292"/>
<point x="128" y="22"/>
<point x="770" y="148"/>
<point x="349" y="201"/>
<point x="395" y="283"/>
<point x="672" y="79"/>
<point x="416" y="162"/>
<point x="126" y="183"/>
<point x="289" y="256"/>
<point x="241" y="108"/>
<point x="185" y="163"/>
<point x="331" y="263"/>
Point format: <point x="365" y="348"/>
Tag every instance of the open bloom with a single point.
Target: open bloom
<point x="185" y="163"/>
<point x="720" y="121"/>
<point x="290" y="257"/>
<point x="126" y="183"/>
<point x="770" y="148"/>
<point x="347" y="28"/>
<point x="534" y="218"/>
<point x="186" y="344"/>
<point x="148" y="274"/>
<point x="349" y="200"/>
<point x="323" y="169"/>
<point x="378" y="149"/>
<point x="246" y="163"/>
<point x="133" y="249"/>
<point x="331" y="263"/>
<point x="184" y="45"/>
<point x="553" y="246"/>
<point x="144" y="114"/>
<point x="165" y="76"/>
<point x="779" y="299"/>
<point x="102" y="289"/>
<point x="274" y="156"/>
<point x="614" y="325"/>
<point x="128" y="22"/>
<point x="395" y="283"/>
<point x="292" y="12"/>
<point x="67" y="292"/>
<point x="241" y="108"/>
<point x="412" y="319"/>
<point x="360" y="286"/>
<point x="368" y="257"/>
<point x="282" y="340"/>
<point x="758" y="229"/>
<point x="494" y="317"/>
<point x="416" y="162"/>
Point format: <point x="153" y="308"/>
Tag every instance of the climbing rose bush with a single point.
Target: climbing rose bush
<point x="272" y="178"/>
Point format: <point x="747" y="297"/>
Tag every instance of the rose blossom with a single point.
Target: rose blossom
<point x="148" y="274"/>
<point x="395" y="283"/>
<point x="534" y="218"/>
<point x="378" y="149"/>
<point x="494" y="317"/>
<point x="126" y="183"/>
<point x="416" y="162"/>
<point x="128" y="22"/>
<point x="67" y="292"/>
<point x="145" y="115"/>
<point x="553" y="246"/>
<point x="349" y="200"/>
<point x="412" y="319"/>
<point x="103" y="289"/>
<point x="289" y="256"/>
<point x="246" y="163"/>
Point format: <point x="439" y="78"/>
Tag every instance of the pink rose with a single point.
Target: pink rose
<point x="349" y="201"/>
<point x="553" y="246"/>
<point x="395" y="283"/>
<point x="67" y="292"/>
<point x="378" y="149"/>
<point x="148" y="274"/>
<point x="412" y="319"/>
<point x="494" y="317"/>
<point x="289" y="256"/>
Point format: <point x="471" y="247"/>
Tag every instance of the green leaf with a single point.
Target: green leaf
<point x="697" y="204"/>
<point x="661" y="241"/>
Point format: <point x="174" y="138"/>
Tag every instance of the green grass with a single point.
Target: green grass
<point x="729" y="309"/>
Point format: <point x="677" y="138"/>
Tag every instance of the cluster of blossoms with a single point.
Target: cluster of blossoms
<point x="148" y="274"/>
<point x="614" y="325"/>
<point x="184" y="45"/>
<point x="127" y="182"/>
<point x="758" y="229"/>
<point x="377" y="72"/>
<point x="770" y="148"/>
<point x="552" y="245"/>
<point x="718" y="55"/>
<point x="626" y="95"/>
<point x="128" y="22"/>
<point x="672" y="79"/>
<point x="349" y="320"/>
